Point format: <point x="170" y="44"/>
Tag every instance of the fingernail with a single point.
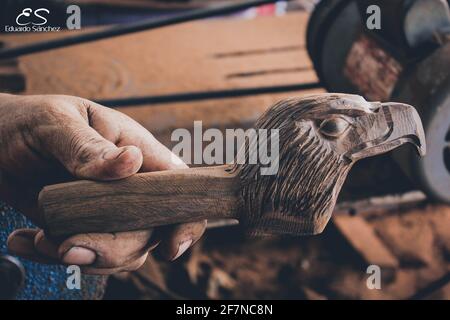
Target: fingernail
<point x="152" y="246"/>
<point x="79" y="256"/>
<point x="113" y="154"/>
<point x="182" y="248"/>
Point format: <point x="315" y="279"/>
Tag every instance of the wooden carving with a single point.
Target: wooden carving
<point x="320" y="138"/>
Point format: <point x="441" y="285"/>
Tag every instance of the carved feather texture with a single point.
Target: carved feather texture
<point x="310" y="174"/>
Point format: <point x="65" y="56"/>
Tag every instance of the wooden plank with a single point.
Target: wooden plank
<point x="188" y="57"/>
<point x="12" y="79"/>
<point x="203" y="55"/>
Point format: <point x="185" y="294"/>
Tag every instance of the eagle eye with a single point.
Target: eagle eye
<point x="334" y="127"/>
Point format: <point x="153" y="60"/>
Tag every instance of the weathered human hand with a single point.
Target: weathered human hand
<point x="48" y="139"/>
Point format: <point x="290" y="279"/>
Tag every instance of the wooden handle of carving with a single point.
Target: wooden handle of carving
<point x="139" y="202"/>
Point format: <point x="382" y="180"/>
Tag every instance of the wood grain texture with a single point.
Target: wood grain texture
<point x="142" y="201"/>
<point x="200" y="55"/>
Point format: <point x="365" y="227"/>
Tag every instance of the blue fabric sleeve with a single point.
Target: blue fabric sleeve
<point x="45" y="281"/>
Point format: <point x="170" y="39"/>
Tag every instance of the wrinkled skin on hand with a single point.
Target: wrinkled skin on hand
<point x="48" y="139"/>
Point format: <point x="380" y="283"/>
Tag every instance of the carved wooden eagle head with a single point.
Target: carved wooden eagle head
<point x="320" y="138"/>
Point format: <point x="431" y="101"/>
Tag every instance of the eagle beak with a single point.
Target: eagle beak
<point x="390" y="126"/>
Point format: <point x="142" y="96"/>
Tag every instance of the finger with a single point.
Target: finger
<point x="106" y="250"/>
<point x="97" y="158"/>
<point x="21" y="243"/>
<point x="85" y="153"/>
<point x="126" y="131"/>
<point x="24" y="243"/>
<point x="175" y="240"/>
<point x="45" y="247"/>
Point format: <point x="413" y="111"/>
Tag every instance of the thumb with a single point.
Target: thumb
<point x="108" y="163"/>
<point x="86" y="154"/>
